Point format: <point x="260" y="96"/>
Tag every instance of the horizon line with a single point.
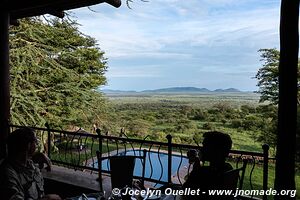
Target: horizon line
<point x="211" y="90"/>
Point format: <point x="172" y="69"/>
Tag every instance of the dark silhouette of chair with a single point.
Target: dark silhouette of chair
<point x="234" y="179"/>
<point x="121" y="169"/>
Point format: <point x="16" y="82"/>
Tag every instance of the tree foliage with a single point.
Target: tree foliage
<point x="268" y="75"/>
<point x="55" y="71"/>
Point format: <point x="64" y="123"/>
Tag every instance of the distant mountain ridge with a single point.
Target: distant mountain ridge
<point x="179" y="89"/>
<point x="174" y="90"/>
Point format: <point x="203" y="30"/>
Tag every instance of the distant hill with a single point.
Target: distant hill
<point x="178" y="89"/>
<point x="227" y="90"/>
<point x="107" y="91"/>
<point x="174" y="90"/>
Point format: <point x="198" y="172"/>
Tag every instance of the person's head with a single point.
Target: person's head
<point x="216" y="146"/>
<point x="21" y="141"/>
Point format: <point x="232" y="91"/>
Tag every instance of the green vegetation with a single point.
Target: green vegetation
<point x="71" y="155"/>
<point x="268" y="74"/>
<point x="55" y="70"/>
<point x="186" y="117"/>
<point x="268" y="84"/>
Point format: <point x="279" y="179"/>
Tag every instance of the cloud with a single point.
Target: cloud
<point x="134" y="72"/>
<point x="220" y="36"/>
<point x="123" y="34"/>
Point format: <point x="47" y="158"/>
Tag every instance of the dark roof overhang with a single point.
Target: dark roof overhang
<point x="31" y="8"/>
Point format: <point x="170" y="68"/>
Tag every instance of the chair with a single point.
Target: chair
<point x="121" y="169"/>
<point x="232" y="177"/>
<point x="235" y="176"/>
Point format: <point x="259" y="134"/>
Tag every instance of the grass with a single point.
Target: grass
<point x="73" y="156"/>
<point x="257" y="178"/>
<point x="203" y="100"/>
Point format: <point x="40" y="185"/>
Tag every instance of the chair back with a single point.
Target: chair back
<point x="233" y="177"/>
<point x="121" y="169"/>
<point x="230" y="179"/>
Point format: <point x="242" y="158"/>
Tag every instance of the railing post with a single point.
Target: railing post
<point x="265" y="148"/>
<point x="98" y="131"/>
<point x="169" y="138"/>
<point x="48" y="141"/>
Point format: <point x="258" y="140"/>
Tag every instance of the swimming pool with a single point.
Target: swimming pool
<point x="157" y="171"/>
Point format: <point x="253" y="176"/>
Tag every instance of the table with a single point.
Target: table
<point x="168" y="197"/>
<point x="99" y="196"/>
<point x="96" y="196"/>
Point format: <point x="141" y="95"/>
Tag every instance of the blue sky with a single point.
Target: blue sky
<point x="171" y="43"/>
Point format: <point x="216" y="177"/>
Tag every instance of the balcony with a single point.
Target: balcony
<point x="75" y="168"/>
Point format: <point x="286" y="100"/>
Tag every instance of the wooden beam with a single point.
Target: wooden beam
<point x="40" y="7"/>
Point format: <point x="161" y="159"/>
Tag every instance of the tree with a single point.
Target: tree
<point x="55" y="73"/>
<point x="268" y="74"/>
<point x="267" y="77"/>
<point x="138" y="127"/>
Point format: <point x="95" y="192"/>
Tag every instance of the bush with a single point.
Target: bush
<point x="236" y="123"/>
<point x="223" y="121"/>
<point x="198" y="137"/>
<point x="183" y="125"/>
<point x="252" y="122"/>
<point x="247" y="109"/>
<point x="199" y="114"/>
<point x="158" y="136"/>
<point x="208" y="126"/>
<point x="186" y="139"/>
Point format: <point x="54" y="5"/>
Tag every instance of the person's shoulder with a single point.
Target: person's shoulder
<point x="200" y="174"/>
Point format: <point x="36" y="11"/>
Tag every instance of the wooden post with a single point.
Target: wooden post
<point x="4" y="80"/>
<point x="288" y="89"/>
<point x="265" y="148"/>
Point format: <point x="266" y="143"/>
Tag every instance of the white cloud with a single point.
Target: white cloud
<point x="123" y="34"/>
<point x="205" y="34"/>
<point x="134" y="72"/>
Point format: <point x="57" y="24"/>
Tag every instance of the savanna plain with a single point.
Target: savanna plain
<point x="186" y="116"/>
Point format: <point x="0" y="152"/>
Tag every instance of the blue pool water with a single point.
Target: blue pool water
<point x="157" y="170"/>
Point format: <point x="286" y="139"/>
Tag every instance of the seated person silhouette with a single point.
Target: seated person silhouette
<point x="20" y="178"/>
<point x="216" y="146"/>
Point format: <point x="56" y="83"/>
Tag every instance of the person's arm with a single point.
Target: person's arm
<point x="41" y="159"/>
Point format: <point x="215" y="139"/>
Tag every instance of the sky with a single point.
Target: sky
<point x="182" y="43"/>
